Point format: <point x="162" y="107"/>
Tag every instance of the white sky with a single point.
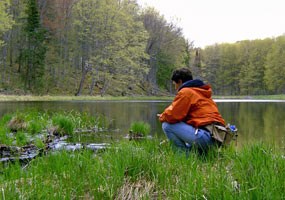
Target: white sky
<point x="207" y="22"/>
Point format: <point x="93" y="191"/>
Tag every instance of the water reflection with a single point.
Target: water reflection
<point x="256" y="121"/>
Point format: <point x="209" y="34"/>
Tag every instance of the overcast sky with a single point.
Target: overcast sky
<point x="207" y="22"/>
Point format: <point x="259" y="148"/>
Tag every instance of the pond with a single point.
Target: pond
<point x="255" y="120"/>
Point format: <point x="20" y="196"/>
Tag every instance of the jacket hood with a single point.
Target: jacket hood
<point x="199" y="86"/>
<point x="192" y="83"/>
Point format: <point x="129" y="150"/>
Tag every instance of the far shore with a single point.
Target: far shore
<point x="4" y="98"/>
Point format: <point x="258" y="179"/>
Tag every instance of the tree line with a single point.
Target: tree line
<point x="116" y="47"/>
<point x="249" y="67"/>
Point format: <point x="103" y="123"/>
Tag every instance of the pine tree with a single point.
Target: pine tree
<point x="34" y="51"/>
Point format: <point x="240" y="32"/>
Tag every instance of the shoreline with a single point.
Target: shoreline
<point x="257" y="98"/>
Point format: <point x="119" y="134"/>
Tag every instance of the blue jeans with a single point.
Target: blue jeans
<point x="185" y="136"/>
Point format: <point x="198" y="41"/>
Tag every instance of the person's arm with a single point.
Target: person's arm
<point x="178" y="110"/>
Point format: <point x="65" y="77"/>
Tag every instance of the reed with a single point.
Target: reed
<point x="147" y="170"/>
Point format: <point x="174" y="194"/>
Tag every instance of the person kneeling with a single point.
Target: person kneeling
<point x="192" y="109"/>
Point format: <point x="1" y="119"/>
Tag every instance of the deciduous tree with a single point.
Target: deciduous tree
<point x="274" y="67"/>
<point x="110" y="40"/>
<point x="6" y="21"/>
<point x="166" y="48"/>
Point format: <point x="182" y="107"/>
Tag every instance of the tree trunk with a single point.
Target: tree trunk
<point x="4" y="60"/>
<point x="84" y="73"/>
<point x="151" y="78"/>
<point x="105" y="87"/>
<point x="79" y="91"/>
<point x="93" y="82"/>
<point x="20" y="61"/>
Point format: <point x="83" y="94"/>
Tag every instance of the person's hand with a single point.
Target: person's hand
<point x="158" y="115"/>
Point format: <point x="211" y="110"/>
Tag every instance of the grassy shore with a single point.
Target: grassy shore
<point x="135" y="169"/>
<point x="79" y="98"/>
<point x="147" y="170"/>
<point x="98" y="98"/>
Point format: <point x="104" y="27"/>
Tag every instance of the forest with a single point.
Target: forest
<point x="118" y="48"/>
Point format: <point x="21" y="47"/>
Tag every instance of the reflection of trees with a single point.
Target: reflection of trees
<point x="250" y="118"/>
<point x="124" y="113"/>
<point x="274" y="123"/>
<point x="256" y="121"/>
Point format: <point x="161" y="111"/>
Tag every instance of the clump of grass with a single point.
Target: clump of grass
<point x="39" y="143"/>
<point x="34" y="127"/>
<point x="30" y="121"/>
<point x="4" y="136"/>
<point x="84" y="120"/>
<point x="17" y="123"/>
<point x="5" y="119"/>
<point x="21" y="138"/>
<point x="140" y="129"/>
<point x="4" y="130"/>
<point x="64" y="124"/>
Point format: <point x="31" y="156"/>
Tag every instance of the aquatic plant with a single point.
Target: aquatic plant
<point x="34" y="127"/>
<point x="39" y="143"/>
<point x="4" y="137"/>
<point x="63" y="123"/>
<point x="21" y="138"/>
<point x="139" y="129"/>
<point x="5" y="119"/>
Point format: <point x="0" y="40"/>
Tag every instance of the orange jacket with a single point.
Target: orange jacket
<point x="194" y="106"/>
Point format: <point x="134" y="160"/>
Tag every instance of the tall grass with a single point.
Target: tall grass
<point x="147" y="170"/>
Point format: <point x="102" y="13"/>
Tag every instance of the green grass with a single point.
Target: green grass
<point x="81" y="98"/>
<point x="146" y="170"/>
<point x="134" y="170"/>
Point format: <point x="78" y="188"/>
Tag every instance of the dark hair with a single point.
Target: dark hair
<point x="183" y="74"/>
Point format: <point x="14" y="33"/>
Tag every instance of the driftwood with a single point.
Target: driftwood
<point x="53" y="141"/>
<point x="22" y="154"/>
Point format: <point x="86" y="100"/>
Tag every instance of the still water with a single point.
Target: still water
<point x="255" y="120"/>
